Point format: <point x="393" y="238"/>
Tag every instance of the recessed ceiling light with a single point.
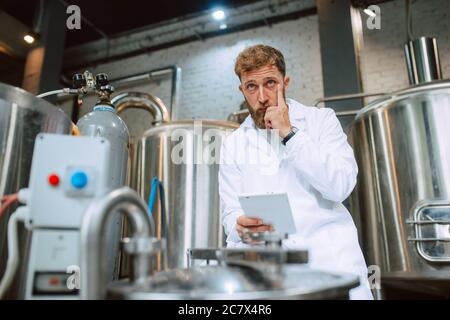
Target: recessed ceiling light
<point x="28" y="38"/>
<point x="218" y="15"/>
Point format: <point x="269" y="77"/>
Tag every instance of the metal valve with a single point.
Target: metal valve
<point x="102" y="84"/>
<point x="147" y="246"/>
<point x="101" y="80"/>
<point x="78" y="81"/>
<point x="140" y="248"/>
<point x="270" y="239"/>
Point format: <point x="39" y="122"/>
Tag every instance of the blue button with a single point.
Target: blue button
<point x="79" y="179"/>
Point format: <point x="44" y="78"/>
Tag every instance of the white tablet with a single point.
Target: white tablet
<point x="272" y="208"/>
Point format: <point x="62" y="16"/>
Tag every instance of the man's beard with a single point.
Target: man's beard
<point x="259" y="114"/>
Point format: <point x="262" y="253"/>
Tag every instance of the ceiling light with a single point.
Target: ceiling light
<point x="218" y="15"/>
<point x="223" y="26"/>
<point x="28" y="38"/>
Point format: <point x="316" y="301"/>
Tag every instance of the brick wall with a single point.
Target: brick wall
<point x="383" y="62"/>
<point x="209" y="88"/>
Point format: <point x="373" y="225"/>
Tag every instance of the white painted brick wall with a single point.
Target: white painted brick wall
<point x="209" y="87"/>
<point x="383" y="62"/>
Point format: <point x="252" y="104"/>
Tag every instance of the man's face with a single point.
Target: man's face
<point x="260" y="90"/>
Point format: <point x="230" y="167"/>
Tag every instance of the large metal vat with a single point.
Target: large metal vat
<point x="184" y="155"/>
<point x="22" y="117"/>
<point x="265" y="272"/>
<point x="402" y="147"/>
<point x="238" y="282"/>
<point x="130" y="106"/>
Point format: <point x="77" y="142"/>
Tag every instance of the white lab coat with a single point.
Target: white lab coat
<point x="317" y="170"/>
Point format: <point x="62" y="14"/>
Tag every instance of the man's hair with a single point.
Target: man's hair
<point x="257" y="56"/>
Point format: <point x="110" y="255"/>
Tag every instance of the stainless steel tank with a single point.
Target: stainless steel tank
<point x="22" y="117"/>
<point x="402" y="146"/>
<point x="265" y="272"/>
<point x="184" y="155"/>
<point x="253" y="273"/>
<point x="140" y="111"/>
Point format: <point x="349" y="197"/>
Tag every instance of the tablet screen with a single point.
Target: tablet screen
<point x="272" y="208"/>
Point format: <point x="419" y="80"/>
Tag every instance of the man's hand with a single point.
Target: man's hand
<point x="251" y="224"/>
<point x="277" y="117"/>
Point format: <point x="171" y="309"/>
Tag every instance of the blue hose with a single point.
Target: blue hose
<point x="152" y="196"/>
<point x="156" y="184"/>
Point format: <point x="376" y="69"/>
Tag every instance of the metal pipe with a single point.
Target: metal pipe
<point x="54" y="92"/>
<point x="175" y="86"/>
<point x="422" y="60"/>
<point x="347" y="96"/>
<point x="234" y="117"/>
<point x="346" y="113"/>
<point x="93" y="243"/>
<point x="144" y="101"/>
<point x="174" y="95"/>
<point x="141" y="267"/>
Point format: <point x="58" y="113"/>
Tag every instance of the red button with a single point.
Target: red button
<point x="53" y="281"/>
<point x="53" y="179"/>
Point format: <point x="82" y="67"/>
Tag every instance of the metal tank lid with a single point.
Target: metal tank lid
<point x="401" y="94"/>
<point x="25" y="99"/>
<point x="219" y="282"/>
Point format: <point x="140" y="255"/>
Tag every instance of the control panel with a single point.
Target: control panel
<point x="67" y="173"/>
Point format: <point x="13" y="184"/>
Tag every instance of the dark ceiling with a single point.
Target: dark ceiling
<point x="114" y="16"/>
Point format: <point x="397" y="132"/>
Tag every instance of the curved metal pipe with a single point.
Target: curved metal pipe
<point x="93" y="243"/>
<point x="145" y="101"/>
